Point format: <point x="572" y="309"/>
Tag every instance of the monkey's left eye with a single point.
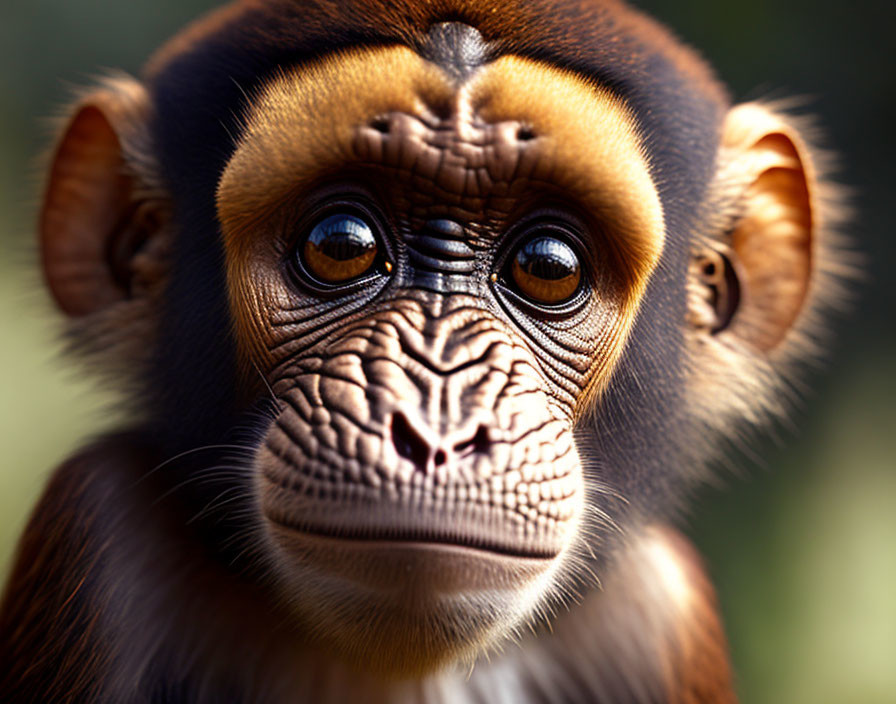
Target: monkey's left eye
<point x="339" y="248"/>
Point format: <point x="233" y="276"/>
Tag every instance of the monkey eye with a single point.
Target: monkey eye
<point x="339" y="249"/>
<point x="546" y="270"/>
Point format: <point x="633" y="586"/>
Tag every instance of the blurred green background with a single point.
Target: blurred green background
<point x="802" y="546"/>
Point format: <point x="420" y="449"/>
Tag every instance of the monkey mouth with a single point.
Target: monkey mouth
<point x="413" y="537"/>
<point x="411" y="570"/>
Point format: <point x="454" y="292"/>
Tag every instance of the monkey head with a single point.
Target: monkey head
<point x="427" y="269"/>
<point x="505" y="280"/>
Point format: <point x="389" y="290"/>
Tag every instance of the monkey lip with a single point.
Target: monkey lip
<point x="410" y="537"/>
<point x="464" y="525"/>
<point x="408" y="565"/>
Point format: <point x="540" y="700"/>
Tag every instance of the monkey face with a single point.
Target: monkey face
<point x="435" y="290"/>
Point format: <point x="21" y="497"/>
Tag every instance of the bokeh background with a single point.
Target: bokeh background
<point x="801" y="544"/>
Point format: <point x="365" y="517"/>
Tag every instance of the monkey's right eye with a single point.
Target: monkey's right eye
<point x="339" y="249"/>
<point x="546" y="270"/>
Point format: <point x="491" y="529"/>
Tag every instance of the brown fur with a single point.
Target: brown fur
<point x="493" y="18"/>
<point x="60" y="549"/>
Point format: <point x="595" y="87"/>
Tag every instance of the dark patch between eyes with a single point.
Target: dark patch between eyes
<point x="457" y="48"/>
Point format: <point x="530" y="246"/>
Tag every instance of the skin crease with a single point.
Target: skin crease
<point x="425" y="469"/>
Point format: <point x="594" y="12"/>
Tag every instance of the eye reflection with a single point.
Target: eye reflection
<point x="339" y="248"/>
<point x="546" y="270"/>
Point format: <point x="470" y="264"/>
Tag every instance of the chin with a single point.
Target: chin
<point x="402" y="606"/>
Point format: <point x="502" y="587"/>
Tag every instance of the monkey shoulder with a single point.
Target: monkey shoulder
<point x="54" y="633"/>
<point x="668" y="584"/>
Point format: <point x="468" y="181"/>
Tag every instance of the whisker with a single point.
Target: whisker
<point x="198" y="476"/>
<point x="203" y="448"/>
<point x="277" y="402"/>
<point x="216" y="503"/>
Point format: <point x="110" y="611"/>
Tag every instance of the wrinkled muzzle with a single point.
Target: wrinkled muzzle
<point x="424" y="423"/>
<point x="419" y="487"/>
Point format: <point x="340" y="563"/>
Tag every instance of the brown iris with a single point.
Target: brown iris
<point x="339" y="248"/>
<point x="546" y="270"/>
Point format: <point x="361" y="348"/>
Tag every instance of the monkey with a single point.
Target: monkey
<point x="430" y="316"/>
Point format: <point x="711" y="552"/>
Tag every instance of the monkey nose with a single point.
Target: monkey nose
<point x="426" y="449"/>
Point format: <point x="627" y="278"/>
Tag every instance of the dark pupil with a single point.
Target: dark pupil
<point x="548" y="259"/>
<point x="340" y="247"/>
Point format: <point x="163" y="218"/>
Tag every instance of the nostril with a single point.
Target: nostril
<point x="525" y="133"/>
<point x="412" y="445"/>
<point x="380" y="124"/>
<point x="408" y="442"/>
<point x="479" y="443"/>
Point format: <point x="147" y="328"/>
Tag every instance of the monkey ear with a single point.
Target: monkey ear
<point x="755" y="276"/>
<point x="100" y="209"/>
